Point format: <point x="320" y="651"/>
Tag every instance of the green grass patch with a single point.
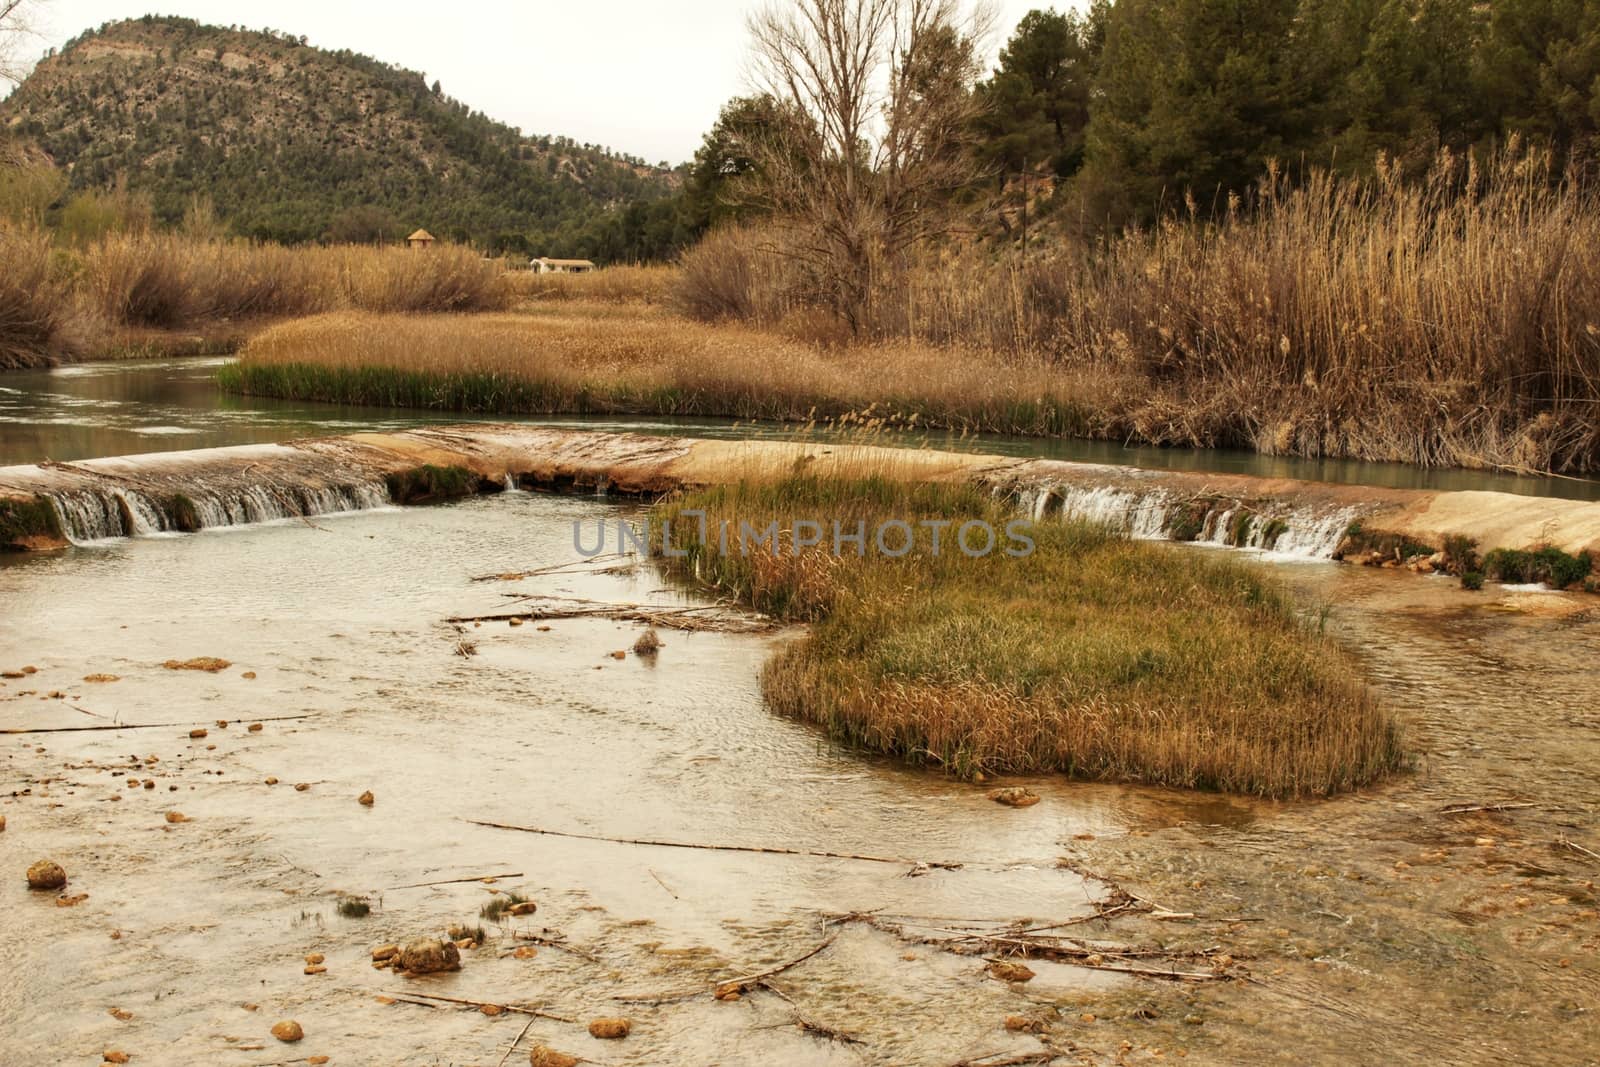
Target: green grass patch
<point x="23" y="523"/>
<point x="429" y="483"/>
<point x="1549" y="565"/>
<point x="1093" y="656"/>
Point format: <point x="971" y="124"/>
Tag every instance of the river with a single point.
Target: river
<point x="123" y="408"/>
<point x="1375" y="927"/>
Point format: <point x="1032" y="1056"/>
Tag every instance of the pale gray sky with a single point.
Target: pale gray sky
<point x="641" y="76"/>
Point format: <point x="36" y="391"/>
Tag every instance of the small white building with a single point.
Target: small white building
<point x="544" y="265"/>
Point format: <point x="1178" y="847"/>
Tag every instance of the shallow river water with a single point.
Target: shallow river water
<point x="1386" y="926"/>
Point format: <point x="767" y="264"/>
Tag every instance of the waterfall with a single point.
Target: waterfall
<point x="91" y="514"/>
<point x="1272" y="527"/>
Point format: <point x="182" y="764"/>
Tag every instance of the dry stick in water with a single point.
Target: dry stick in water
<point x="556" y="568"/>
<point x="136" y="726"/>
<point x="479" y="1004"/>
<point x="720" y="848"/>
<point x="732" y="985"/>
<point x="517" y="1040"/>
<point x="456" y="881"/>
<point x="560" y="943"/>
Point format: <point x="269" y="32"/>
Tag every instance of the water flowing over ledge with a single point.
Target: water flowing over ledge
<point x="49" y="505"/>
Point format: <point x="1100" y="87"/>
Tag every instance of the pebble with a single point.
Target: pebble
<point x="1015" y="797"/>
<point x="272" y="781"/>
<point x="197" y="733"/>
<point x="114" y="1056"/>
<point x="383" y="952"/>
<point x="255" y="728"/>
<point x="427" y="955"/>
<point x="315" y="957"/>
<point x="365" y="799"/>
<point x="610" y="1029"/>
<point x="301" y="787"/>
<point x="1010" y="972"/>
<point x="2" y="823"/>
<point x="176" y="817"/>
<point x="316" y="968"/>
<point x="545" y="1056"/>
<point x="46" y="874"/>
<point x="288" y="1031"/>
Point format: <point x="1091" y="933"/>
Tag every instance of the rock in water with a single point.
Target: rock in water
<point x="1010" y="972"/>
<point x="545" y="1056"/>
<point x="2" y="823"/>
<point x="365" y="799"/>
<point x="427" y="955"/>
<point x="610" y="1029"/>
<point x="46" y="874"/>
<point x="1015" y="797"/>
<point x="288" y="1031"/>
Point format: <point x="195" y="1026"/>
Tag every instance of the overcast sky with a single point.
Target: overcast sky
<point x="644" y="77"/>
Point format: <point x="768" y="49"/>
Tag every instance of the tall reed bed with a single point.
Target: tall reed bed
<point x="636" y="284"/>
<point x="1092" y="656"/>
<point x="637" y="363"/>
<point x="1454" y="321"/>
<point x="35" y="313"/>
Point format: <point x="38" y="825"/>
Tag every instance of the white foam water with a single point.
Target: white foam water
<point x="92" y="515"/>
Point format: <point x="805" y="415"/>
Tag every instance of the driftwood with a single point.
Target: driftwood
<point x="1044" y="1057"/>
<point x="712" y="618"/>
<point x="570" y="567"/>
<point x="517" y="1040"/>
<point x="772" y="851"/>
<point x="1572" y="846"/>
<point x="1023" y="944"/>
<point x="457" y="881"/>
<point x="1485" y="807"/>
<point x="554" y="942"/>
<point x="421" y="1002"/>
<point x="732" y="985"/>
<point x="139" y="726"/>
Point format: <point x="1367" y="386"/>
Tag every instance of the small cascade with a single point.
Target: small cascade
<point x="1157" y="514"/>
<point x="93" y="514"/>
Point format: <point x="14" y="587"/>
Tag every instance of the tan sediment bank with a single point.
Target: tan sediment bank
<point x="47" y="505"/>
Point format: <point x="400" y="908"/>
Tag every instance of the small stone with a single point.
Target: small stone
<point x="197" y="733"/>
<point x="1086" y="1017"/>
<point x="301" y="787"/>
<point x="272" y="781"/>
<point x="610" y="1029"/>
<point x="729" y="991"/>
<point x="2" y="823"/>
<point x="46" y="874"/>
<point x="317" y="1060"/>
<point x="149" y="783"/>
<point x="365" y="799"/>
<point x="1010" y="972"/>
<point x="545" y="1056"/>
<point x="30" y="670"/>
<point x="516" y="621"/>
<point x="316" y="968"/>
<point x="1021" y="1024"/>
<point x="210" y="664"/>
<point x="491" y="1010"/>
<point x="619" y="654"/>
<point x="522" y="907"/>
<point x="222" y="724"/>
<point x="120" y="1014"/>
<point x="1484" y="842"/>
<point x="542" y="629"/>
<point x="384" y="952"/>
<point x="315" y="957"/>
<point x="114" y="1056"/>
<point x="428" y="955"/>
<point x="249" y="676"/>
<point x="1192" y="1020"/>
<point x="72" y="901"/>
<point x="524" y="952"/>
<point x="1015" y="797"/>
<point x="177" y="816"/>
<point x="288" y="1031"/>
<point x="254" y="728"/>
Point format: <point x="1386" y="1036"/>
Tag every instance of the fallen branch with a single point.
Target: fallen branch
<point x="717" y="848"/>
<point x="1568" y="843"/>
<point x="571" y="566"/>
<point x="1013" y="1061"/>
<point x="692" y="619"/>
<point x="732" y="985"/>
<point x="138" y="726"/>
<point x="1505" y="806"/>
<point x="560" y="943"/>
<point x="517" y="1040"/>
<point x="457" y="881"/>
<point x="479" y="1004"/>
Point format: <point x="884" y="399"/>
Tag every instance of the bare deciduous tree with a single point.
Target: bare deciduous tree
<point x="875" y="134"/>
<point x="15" y="33"/>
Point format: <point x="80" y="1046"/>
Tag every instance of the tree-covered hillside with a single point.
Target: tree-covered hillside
<point x="293" y="143"/>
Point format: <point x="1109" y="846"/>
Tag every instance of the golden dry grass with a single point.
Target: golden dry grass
<point x="569" y="359"/>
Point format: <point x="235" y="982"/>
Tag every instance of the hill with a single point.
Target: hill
<point x="295" y="143"/>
